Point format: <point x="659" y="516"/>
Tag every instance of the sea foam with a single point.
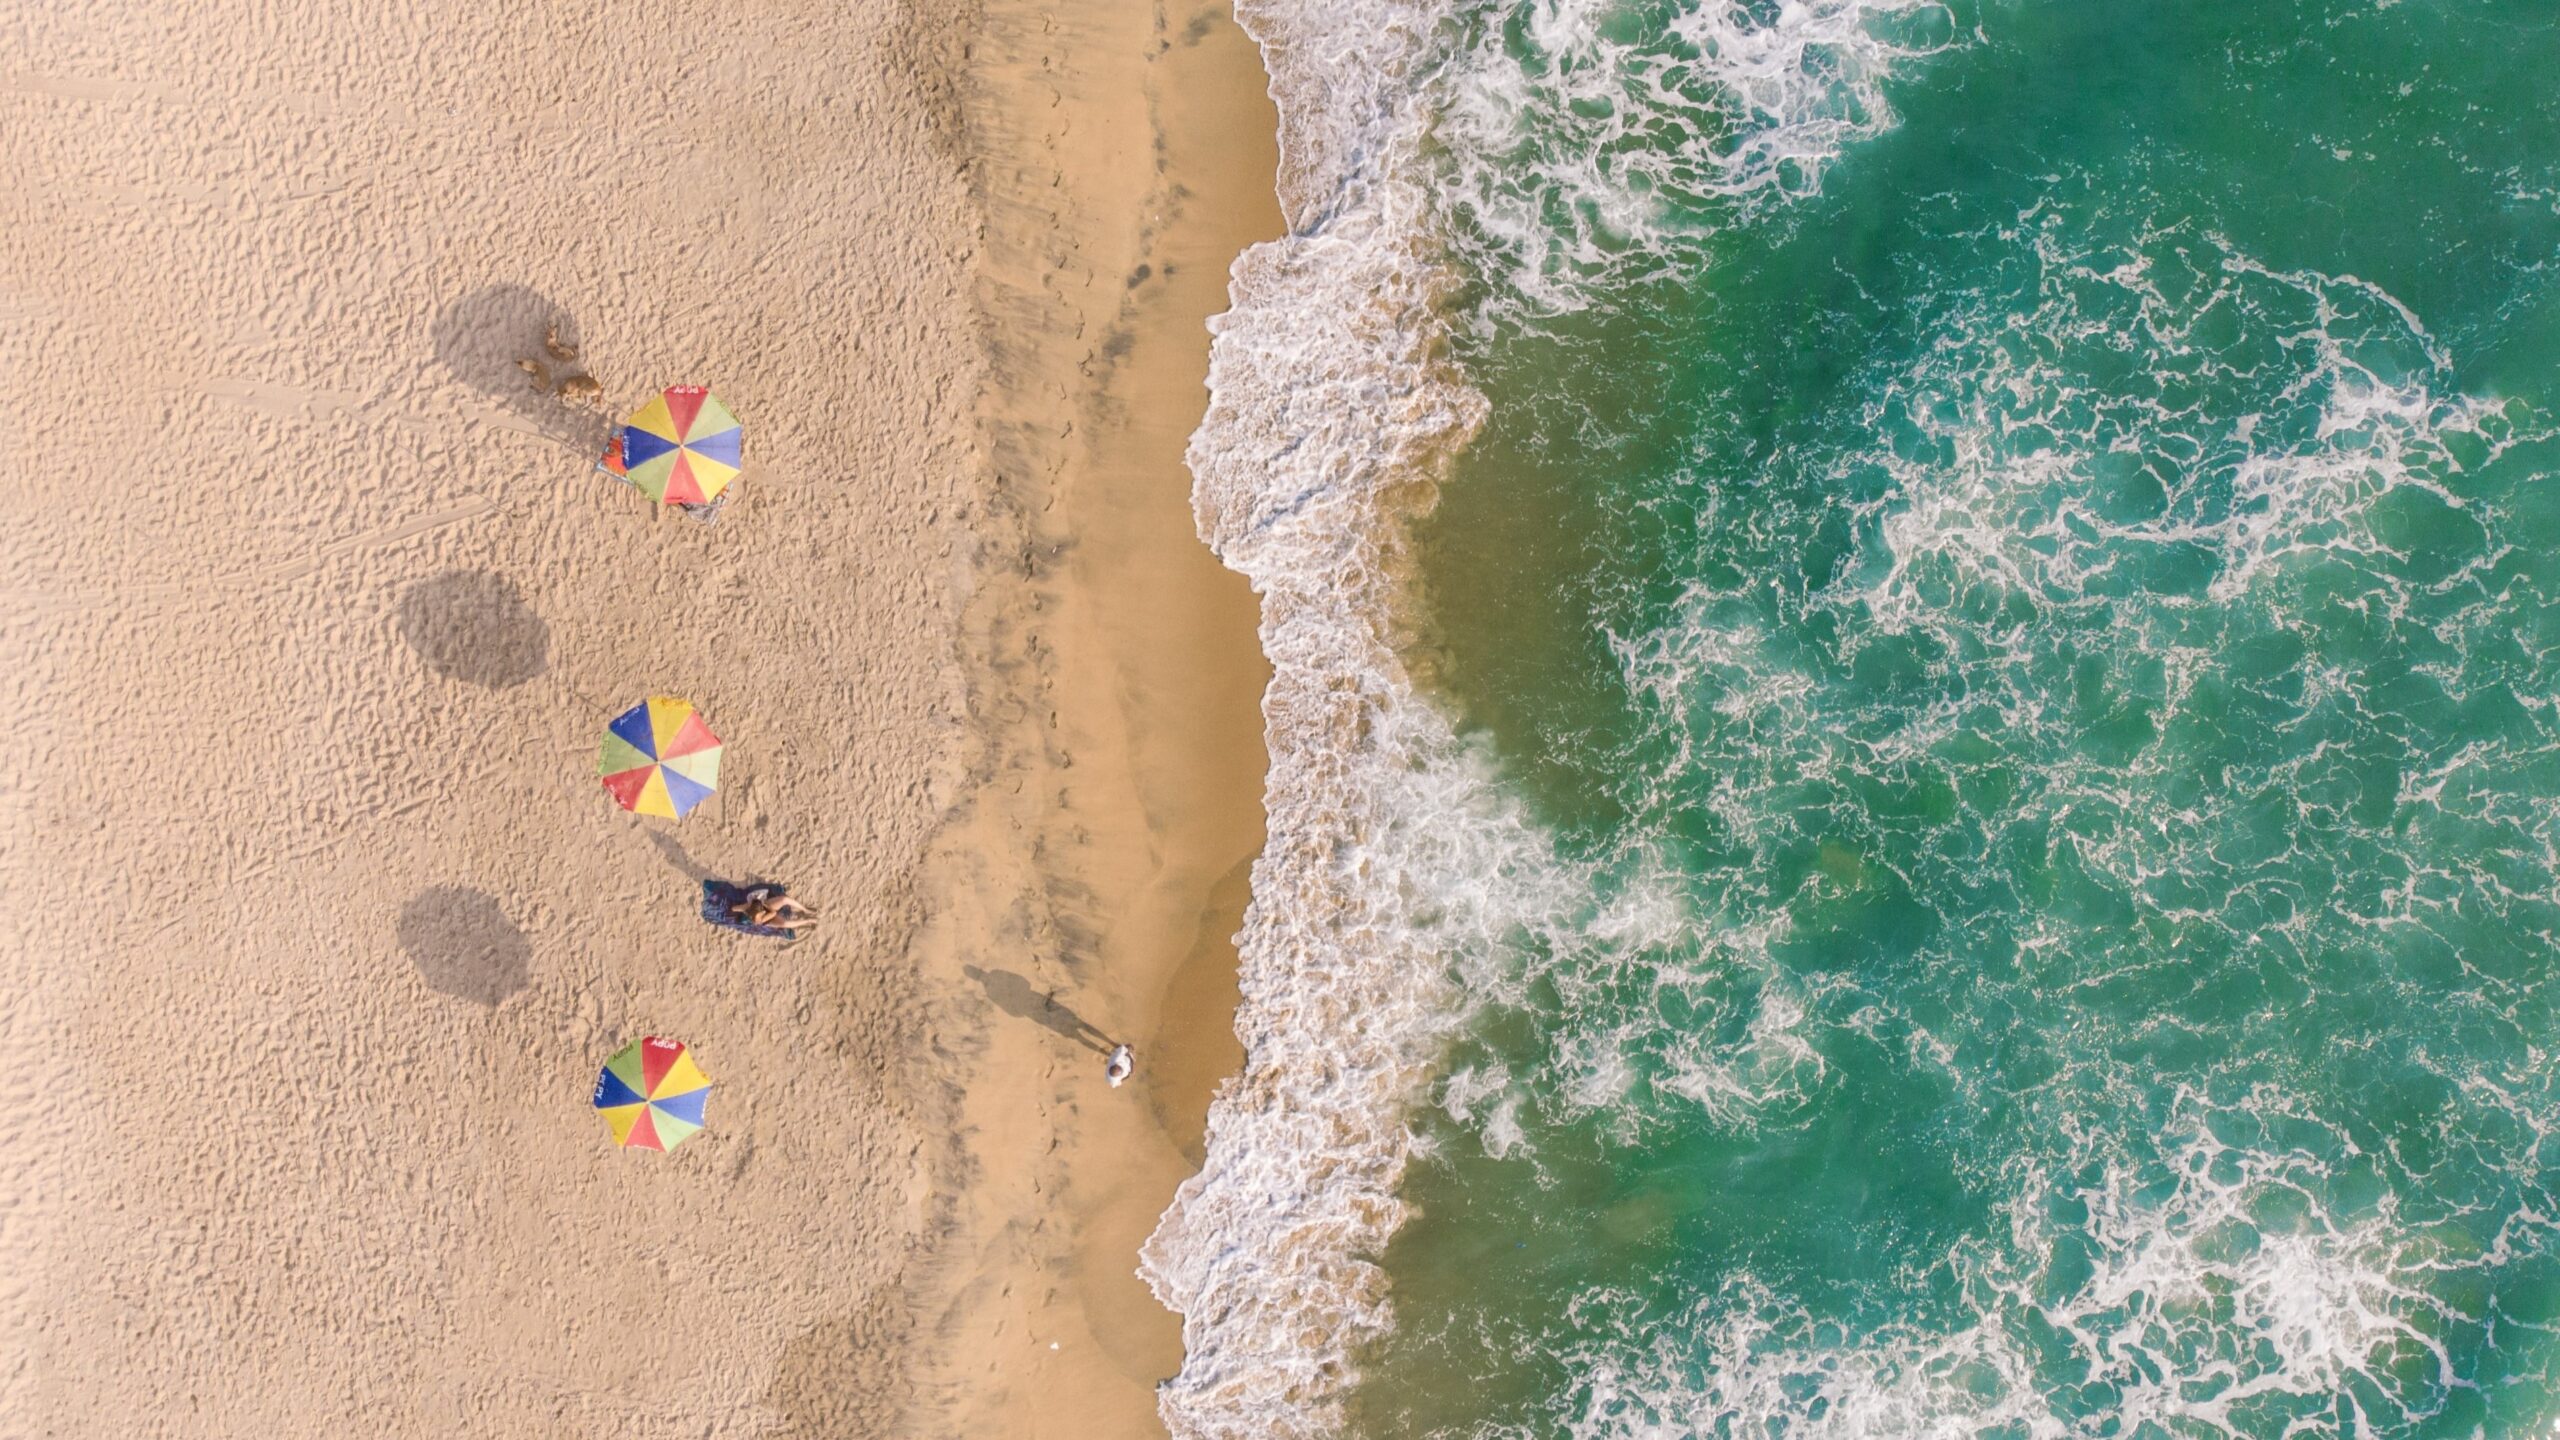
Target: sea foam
<point x="2056" y="526"/>
<point x="2212" y="1292"/>
<point x="1331" y="417"/>
<point x="2249" y="1263"/>
<point x="1399" y="880"/>
<point x="1589" y="141"/>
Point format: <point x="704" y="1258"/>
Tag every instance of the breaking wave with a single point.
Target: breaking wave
<point x="1400" y="886"/>
<point x="2137" y="492"/>
<point x="2218" y="1291"/>
<point x="1589" y="141"/>
<point x="1330" y="419"/>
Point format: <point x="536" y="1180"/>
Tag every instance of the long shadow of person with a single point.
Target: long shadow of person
<point x="1014" y="996"/>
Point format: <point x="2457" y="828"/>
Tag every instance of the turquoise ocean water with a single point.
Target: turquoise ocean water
<point x="1987" y="854"/>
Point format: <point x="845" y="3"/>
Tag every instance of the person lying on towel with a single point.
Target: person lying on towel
<point x="759" y="909"/>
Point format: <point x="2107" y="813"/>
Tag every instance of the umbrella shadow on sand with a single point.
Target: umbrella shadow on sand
<point x="474" y="626"/>
<point x="1014" y="996"/>
<point x="678" y="856"/>
<point x="464" y="945"/>
<point x="480" y="337"/>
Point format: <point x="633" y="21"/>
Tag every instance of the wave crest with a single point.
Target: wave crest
<point x="1332" y="415"/>
<point x="1589" y="143"/>
<point x="1399" y="883"/>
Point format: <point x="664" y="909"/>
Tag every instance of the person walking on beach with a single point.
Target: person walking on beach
<point x="1119" y="1067"/>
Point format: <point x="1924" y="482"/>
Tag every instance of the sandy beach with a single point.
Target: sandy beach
<point x="309" y="1149"/>
<point x="1098" y="875"/>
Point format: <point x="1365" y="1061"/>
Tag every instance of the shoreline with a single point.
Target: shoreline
<point x="1088" y="890"/>
<point x="1336" y="416"/>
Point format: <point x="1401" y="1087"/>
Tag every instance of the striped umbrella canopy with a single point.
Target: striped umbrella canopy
<point x="659" y="758"/>
<point x="683" y="447"/>
<point x="651" y="1092"/>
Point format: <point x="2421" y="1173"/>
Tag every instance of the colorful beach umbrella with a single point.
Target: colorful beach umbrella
<point x="683" y="447"/>
<point x="659" y="758"/>
<point x="651" y="1092"/>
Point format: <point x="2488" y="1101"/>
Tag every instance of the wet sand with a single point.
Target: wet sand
<point x="1093" y="888"/>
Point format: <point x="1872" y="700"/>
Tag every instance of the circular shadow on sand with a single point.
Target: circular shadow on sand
<point x="474" y="626"/>
<point x="464" y="945"/>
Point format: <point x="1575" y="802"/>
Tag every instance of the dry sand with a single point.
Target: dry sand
<point x="318" y="922"/>
<point x="316" y="610"/>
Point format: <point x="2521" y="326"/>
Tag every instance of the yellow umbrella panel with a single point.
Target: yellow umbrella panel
<point x="659" y="758"/>
<point x="683" y="448"/>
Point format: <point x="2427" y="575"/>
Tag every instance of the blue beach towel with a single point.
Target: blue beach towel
<point x="719" y="895"/>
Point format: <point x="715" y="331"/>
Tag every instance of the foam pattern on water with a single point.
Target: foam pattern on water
<point x="1389" y="856"/>
<point x="1400" y="888"/>
<point x="2225" y="1290"/>
<point x="1590" y="141"/>
<point x="2124" y="743"/>
<point x="1995" y="454"/>
<point x="2179" y="684"/>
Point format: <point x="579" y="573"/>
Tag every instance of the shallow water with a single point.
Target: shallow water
<point x="1953" y="824"/>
